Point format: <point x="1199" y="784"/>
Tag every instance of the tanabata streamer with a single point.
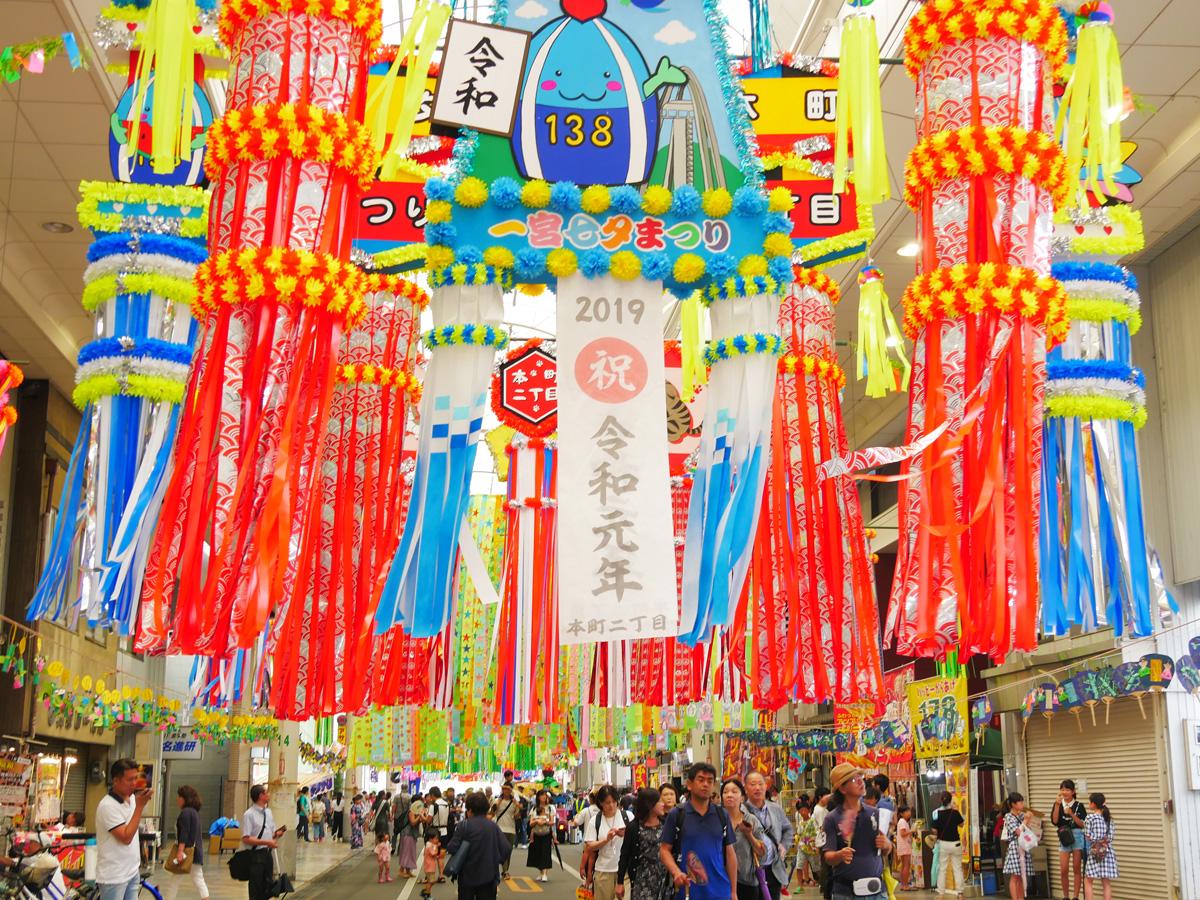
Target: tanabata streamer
<point x="1095" y="562"/>
<point x="277" y="293"/>
<point x="129" y="383"/>
<point x="818" y="637"/>
<point x="324" y="646"/>
<point x="527" y="648"/>
<point x="860" y="113"/>
<point x="733" y="457"/>
<point x="467" y="307"/>
<point x="981" y="180"/>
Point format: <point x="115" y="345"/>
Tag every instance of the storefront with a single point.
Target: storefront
<point x="1122" y="756"/>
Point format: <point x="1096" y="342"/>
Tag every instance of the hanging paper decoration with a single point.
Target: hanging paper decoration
<point x="817" y="634"/>
<point x="860" y="112"/>
<point x="1089" y="117"/>
<point x="393" y="121"/>
<point x="276" y="295"/>
<point x="733" y="457"/>
<point x="11" y="377"/>
<point x="880" y="356"/>
<point x="32" y="56"/>
<point x="982" y="180"/>
<point x="323" y="648"/>
<point x="420" y="581"/>
<point x="130" y="381"/>
<point x="525" y="396"/>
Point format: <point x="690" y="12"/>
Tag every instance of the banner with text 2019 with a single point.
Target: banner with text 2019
<point x="615" y="543"/>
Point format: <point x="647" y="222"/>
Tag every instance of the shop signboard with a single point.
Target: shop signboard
<point x="938" y="711"/>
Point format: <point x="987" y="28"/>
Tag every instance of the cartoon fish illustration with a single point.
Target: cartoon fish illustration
<point x="589" y="102"/>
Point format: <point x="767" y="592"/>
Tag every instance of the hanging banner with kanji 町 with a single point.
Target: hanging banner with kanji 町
<point x="616" y="555"/>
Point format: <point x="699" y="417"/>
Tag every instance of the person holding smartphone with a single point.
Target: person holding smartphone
<point x="118" y="817"/>
<point x="854" y="845"/>
<point x="604" y="836"/>
<point x="260" y="833"/>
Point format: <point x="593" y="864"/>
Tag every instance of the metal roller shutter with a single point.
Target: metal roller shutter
<point x="1125" y="761"/>
<point x="74" y="798"/>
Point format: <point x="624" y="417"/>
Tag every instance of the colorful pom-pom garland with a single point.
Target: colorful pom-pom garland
<point x="972" y="288"/>
<point x="985" y="152"/>
<point x="817" y="280"/>
<point x="755" y="344"/>
<point x="188" y="207"/>
<point x="363" y="15"/>
<point x="182" y="249"/>
<point x="471" y="273"/>
<point x="821" y="369"/>
<point x="1095" y="389"/>
<point x="942" y="22"/>
<point x="738" y="286"/>
<point x="384" y="376"/>
<point x="398" y="286"/>
<point x="103" y="288"/>
<point x="301" y="131"/>
<point x="467" y="335"/>
<point x="152" y="369"/>
<point x="1129" y="239"/>
<point x="279" y="275"/>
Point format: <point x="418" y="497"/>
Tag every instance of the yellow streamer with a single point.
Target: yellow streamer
<point x="168" y="57"/>
<point x="880" y="346"/>
<point x="423" y="33"/>
<point x="860" y="112"/>
<point x="691" y="348"/>
<point x="1089" y="117"/>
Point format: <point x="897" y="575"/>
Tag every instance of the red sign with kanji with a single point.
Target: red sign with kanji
<point x="527" y="391"/>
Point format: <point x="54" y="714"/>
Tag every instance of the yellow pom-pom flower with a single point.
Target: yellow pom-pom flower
<point x="498" y="257"/>
<point x="471" y="192"/>
<point x="437" y="211"/>
<point x="625" y="265"/>
<point x="717" y="203"/>
<point x="689" y="268"/>
<point x="532" y="290"/>
<point x="595" y="199"/>
<point x="439" y="257"/>
<point x="536" y="194"/>
<point x="657" y="200"/>
<point x="752" y="266"/>
<point x="777" y="244"/>
<point x="780" y="200"/>
<point x="561" y="262"/>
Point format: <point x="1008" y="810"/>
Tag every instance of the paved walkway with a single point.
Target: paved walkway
<point x="312" y="862"/>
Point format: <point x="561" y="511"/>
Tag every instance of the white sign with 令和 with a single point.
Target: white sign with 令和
<point x="616" y="551"/>
<point x="480" y="79"/>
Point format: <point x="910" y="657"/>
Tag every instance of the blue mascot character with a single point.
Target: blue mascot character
<point x="589" y="107"/>
<point x="133" y="163"/>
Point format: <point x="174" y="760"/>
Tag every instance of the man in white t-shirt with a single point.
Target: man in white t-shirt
<point x="118" y="850"/>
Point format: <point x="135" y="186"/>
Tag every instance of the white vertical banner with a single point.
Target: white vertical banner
<point x="616" y="552"/>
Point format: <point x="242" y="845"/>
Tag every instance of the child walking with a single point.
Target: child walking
<point x="431" y="860"/>
<point x="904" y="846"/>
<point x="383" y="853"/>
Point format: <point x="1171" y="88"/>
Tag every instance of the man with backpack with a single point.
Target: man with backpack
<point x="697" y="841"/>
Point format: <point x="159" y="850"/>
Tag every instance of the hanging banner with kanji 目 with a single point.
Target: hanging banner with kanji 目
<point x="616" y="553"/>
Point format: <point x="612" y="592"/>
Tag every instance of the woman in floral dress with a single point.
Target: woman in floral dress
<point x="356" y="822"/>
<point x="649" y="879"/>
<point x="1018" y="862"/>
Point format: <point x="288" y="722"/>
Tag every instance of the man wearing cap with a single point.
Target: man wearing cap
<point x="854" y="845"/>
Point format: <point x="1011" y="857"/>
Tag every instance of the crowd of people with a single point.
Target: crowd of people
<point x="727" y="840"/>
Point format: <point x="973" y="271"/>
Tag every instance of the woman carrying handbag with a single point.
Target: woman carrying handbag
<point x="185" y="858"/>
